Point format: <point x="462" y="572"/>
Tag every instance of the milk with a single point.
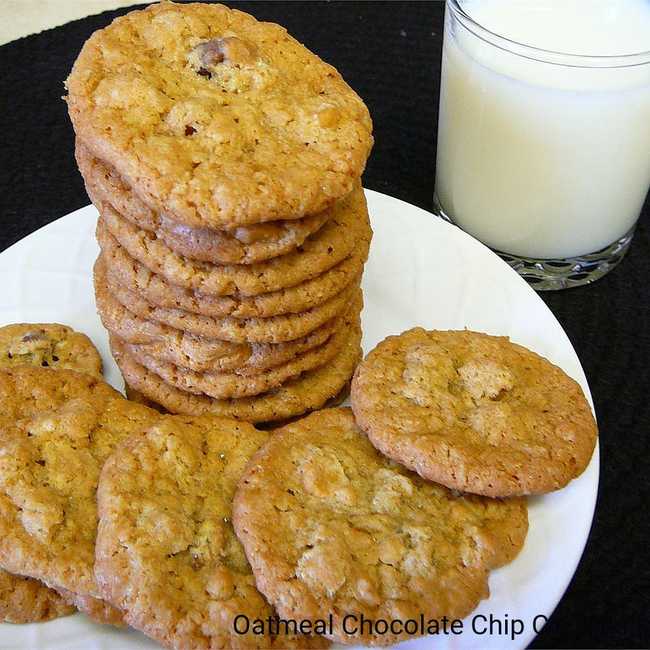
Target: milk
<point x="544" y="160"/>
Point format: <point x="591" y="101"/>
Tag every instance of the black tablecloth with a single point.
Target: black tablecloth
<point x="390" y="53"/>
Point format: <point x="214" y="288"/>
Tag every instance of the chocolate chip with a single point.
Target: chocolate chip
<point x="210" y="53"/>
<point x="189" y="129"/>
<point x="230" y="48"/>
<point x="33" y="336"/>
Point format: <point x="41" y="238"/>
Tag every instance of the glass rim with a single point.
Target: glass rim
<point x="543" y="55"/>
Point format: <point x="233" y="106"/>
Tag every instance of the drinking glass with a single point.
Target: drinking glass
<point x="543" y="156"/>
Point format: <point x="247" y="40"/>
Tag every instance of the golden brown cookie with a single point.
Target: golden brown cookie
<point x="198" y="353"/>
<point x="57" y="427"/>
<point x="275" y="329"/>
<point x="474" y="412"/>
<point x="166" y="551"/>
<point x="244" y="245"/>
<point x="124" y="270"/>
<point x="347" y="229"/>
<point x="216" y="118"/>
<point x="235" y="385"/>
<point x="258" y="357"/>
<point x="354" y="533"/>
<point x="25" y="600"/>
<point x="305" y="393"/>
<point x="48" y="345"/>
<point x="337" y="400"/>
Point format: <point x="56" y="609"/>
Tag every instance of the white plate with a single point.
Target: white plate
<point x="421" y="271"/>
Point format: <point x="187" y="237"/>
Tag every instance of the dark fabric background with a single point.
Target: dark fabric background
<point x="390" y="53"/>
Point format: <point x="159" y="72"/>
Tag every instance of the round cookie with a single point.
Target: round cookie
<point x="216" y="118"/>
<point x="244" y="245"/>
<point x="25" y="600"/>
<point x="48" y="345"/>
<point x="154" y="288"/>
<point x="57" y="427"/>
<point x="234" y="385"/>
<point x="355" y="533"/>
<point x="167" y="554"/>
<point x="474" y="412"/>
<point x="259" y="357"/>
<point x="346" y="230"/>
<point x="337" y="400"/>
<point x="275" y="329"/>
<point x="200" y="354"/>
<point x="305" y="393"/>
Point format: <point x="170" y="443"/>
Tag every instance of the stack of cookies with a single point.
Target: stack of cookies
<point x="225" y="161"/>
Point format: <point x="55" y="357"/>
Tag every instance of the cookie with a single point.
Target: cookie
<point x="346" y="230"/>
<point x="25" y="600"/>
<point x="355" y="534"/>
<point x="200" y="354"/>
<point x="474" y="412"/>
<point x="337" y="400"/>
<point x="48" y="345"/>
<point x="244" y="245"/>
<point x="275" y="329"/>
<point x="167" y="554"/>
<point x="57" y="427"/>
<point x="305" y="393"/>
<point x="154" y="288"/>
<point x="234" y="385"/>
<point x="216" y="118"/>
<point x="259" y="357"/>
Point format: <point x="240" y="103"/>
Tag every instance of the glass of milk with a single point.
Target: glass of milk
<point x="544" y="131"/>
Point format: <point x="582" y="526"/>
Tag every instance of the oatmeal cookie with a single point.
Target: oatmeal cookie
<point x="57" y="427"/>
<point x="216" y="118"/>
<point x="48" y="345"/>
<point x="354" y="533"/>
<point x="166" y="551"/>
<point x="25" y="600"/>
<point x="474" y="412"/>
